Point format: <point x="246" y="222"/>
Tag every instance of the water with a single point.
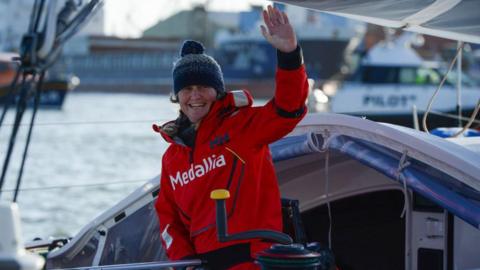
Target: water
<point x="95" y="138"/>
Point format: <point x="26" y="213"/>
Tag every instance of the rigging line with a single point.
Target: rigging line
<point x="21" y="106"/>
<point x="77" y="185"/>
<point x="92" y="122"/>
<point x="430" y="103"/>
<point x="327" y="180"/>
<point x="328" y="138"/>
<point x="10" y="97"/>
<point x="35" y="15"/>
<point x="29" y="136"/>
<point x="470" y="122"/>
<point x="79" y="20"/>
<point x="448" y="115"/>
<point x="402" y="164"/>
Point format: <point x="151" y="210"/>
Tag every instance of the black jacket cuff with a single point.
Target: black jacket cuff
<point x="290" y="61"/>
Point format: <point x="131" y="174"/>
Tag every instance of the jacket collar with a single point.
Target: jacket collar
<point x="220" y="108"/>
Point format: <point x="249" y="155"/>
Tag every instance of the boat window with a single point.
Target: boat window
<point x="135" y="238"/>
<point x="452" y="79"/>
<point x="81" y="254"/>
<point x="408" y="76"/>
<point x="427" y="76"/>
<point x="379" y="74"/>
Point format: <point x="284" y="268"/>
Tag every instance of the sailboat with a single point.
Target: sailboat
<point x="379" y="196"/>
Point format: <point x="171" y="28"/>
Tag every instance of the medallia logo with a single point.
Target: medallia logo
<point x="197" y="170"/>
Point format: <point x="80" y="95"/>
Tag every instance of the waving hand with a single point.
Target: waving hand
<point x="278" y="31"/>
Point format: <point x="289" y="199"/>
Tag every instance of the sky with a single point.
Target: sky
<point x="128" y="18"/>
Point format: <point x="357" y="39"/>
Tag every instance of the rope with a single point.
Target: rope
<point x="402" y="164"/>
<point x="430" y="103"/>
<point x="32" y="65"/>
<point x="470" y="122"/>
<point x="93" y="122"/>
<point x="10" y="97"/>
<point x="29" y="136"/>
<point x="448" y="115"/>
<point x="327" y="187"/>
<point x="75" y="186"/>
<point x="324" y="149"/>
<point x="21" y="106"/>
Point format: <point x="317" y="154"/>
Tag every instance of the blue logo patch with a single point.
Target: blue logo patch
<point x="219" y="140"/>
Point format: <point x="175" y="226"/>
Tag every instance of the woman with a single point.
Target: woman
<point x="220" y="141"/>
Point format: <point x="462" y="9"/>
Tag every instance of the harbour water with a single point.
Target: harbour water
<point x="84" y="158"/>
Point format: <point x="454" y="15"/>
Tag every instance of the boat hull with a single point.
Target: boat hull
<point x="434" y="120"/>
<point x="52" y="96"/>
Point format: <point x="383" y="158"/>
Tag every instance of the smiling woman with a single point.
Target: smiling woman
<point x="220" y="140"/>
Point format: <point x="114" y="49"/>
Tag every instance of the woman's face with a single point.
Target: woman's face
<point x="196" y="101"/>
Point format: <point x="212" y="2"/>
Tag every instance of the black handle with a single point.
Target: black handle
<point x="222" y="227"/>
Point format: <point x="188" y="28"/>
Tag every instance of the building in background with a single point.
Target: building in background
<point x="207" y="24"/>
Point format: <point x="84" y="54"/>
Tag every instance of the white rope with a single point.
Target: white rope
<point x="452" y="116"/>
<point x="430" y="103"/>
<point x="327" y="187"/>
<point x="402" y="164"/>
<point x="470" y="122"/>
<point x="327" y="140"/>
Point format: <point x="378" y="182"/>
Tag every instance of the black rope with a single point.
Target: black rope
<point x="10" y="97"/>
<point x="29" y="136"/>
<point x="21" y="106"/>
<point x="78" y="21"/>
<point x="31" y="66"/>
<point x="36" y="14"/>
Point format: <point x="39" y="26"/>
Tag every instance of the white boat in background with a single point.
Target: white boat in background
<point x="392" y="79"/>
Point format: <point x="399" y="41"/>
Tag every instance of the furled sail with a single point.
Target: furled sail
<point x="451" y="19"/>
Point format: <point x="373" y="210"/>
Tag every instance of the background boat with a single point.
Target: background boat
<point x="54" y="89"/>
<point x="391" y="81"/>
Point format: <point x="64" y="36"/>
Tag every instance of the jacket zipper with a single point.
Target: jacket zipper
<point x="191" y="155"/>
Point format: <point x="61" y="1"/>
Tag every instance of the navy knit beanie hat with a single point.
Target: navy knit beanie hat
<point x="196" y="68"/>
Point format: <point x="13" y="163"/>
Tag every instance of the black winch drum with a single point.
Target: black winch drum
<point x="294" y="256"/>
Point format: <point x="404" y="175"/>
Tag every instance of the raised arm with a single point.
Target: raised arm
<point x="281" y="114"/>
<point x="290" y="87"/>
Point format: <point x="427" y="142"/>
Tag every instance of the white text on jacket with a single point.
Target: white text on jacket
<point x="197" y="170"/>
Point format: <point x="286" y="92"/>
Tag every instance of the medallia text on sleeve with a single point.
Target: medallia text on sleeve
<point x="197" y="170"/>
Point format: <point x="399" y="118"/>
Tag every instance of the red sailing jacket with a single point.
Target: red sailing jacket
<point x="231" y="152"/>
